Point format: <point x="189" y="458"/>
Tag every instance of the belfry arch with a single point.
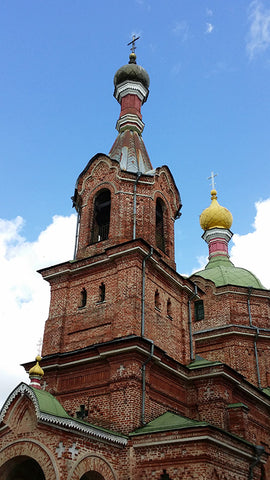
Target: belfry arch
<point x="101" y="216"/>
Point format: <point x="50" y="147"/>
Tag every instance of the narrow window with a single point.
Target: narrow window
<point x="101" y="216"/>
<point x="83" y="298"/>
<point x="102" y="292"/>
<point x="157" y="300"/>
<point x="169" y="308"/>
<point x="160" y="240"/>
<point x="199" y="310"/>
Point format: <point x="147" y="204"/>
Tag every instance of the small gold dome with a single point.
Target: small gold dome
<point x="36" y="370"/>
<point x="215" y="216"/>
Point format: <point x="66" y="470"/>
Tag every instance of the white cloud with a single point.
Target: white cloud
<point x="24" y="294"/>
<point x="209" y="12"/>
<point x="258" y="39"/>
<point x="251" y="251"/>
<point x="181" y="30"/>
<point x="209" y="28"/>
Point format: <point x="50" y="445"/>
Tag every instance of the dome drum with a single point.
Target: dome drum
<point x="129" y="87"/>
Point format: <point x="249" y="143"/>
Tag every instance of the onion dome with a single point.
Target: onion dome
<point x="132" y="72"/>
<point x="36" y="373"/>
<point x="216" y="222"/>
<point x="215" y="216"/>
<point x="131" y="84"/>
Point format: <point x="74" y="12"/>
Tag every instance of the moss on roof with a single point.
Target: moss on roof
<point x="223" y="272"/>
<point x="166" y="422"/>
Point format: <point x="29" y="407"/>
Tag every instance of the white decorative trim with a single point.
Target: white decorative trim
<point x="21" y="389"/>
<point x="130" y="88"/>
<point x="81" y="428"/>
<point x="131" y="120"/>
<point x="61" y="422"/>
<point x="214" y="233"/>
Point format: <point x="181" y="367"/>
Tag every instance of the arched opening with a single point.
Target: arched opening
<point x="101" y="216"/>
<point x="160" y="240"/>
<point x="93" y="475"/>
<point x="21" y="468"/>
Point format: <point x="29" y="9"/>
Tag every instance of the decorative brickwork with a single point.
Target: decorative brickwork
<point x="147" y="374"/>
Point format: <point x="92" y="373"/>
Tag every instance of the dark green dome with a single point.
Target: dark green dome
<point x="132" y="72"/>
<point x="223" y="272"/>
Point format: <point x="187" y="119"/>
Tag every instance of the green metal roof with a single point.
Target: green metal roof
<point x="166" y="422"/>
<point x="223" y="272"/>
<point x="49" y="404"/>
<point x="267" y="391"/>
<point x="237" y="405"/>
<point x="48" y="409"/>
<point x="202" y="362"/>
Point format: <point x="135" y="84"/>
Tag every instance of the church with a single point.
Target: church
<point x="145" y="374"/>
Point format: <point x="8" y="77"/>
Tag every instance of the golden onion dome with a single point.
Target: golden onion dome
<point x="215" y="216"/>
<point x="36" y="370"/>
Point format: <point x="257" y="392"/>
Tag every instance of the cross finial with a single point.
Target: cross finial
<point x="212" y="176"/>
<point x="134" y="39"/>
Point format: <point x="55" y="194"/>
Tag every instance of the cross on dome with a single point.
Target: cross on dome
<point x="134" y="39"/>
<point x="212" y="176"/>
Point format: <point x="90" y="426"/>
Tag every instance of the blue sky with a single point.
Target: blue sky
<point x="208" y="110"/>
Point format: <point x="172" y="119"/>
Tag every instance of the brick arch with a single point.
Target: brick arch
<point x="159" y="194"/>
<point x="97" y="170"/>
<point x="106" y="184"/>
<point x="34" y="450"/>
<point x="167" y="182"/>
<point x="92" y="463"/>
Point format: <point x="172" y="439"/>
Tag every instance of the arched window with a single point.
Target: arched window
<point x="160" y="240"/>
<point x="83" y="298"/>
<point x="101" y="292"/>
<point x="101" y="216"/>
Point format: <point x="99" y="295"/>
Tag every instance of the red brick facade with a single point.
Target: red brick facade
<point x="124" y="353"/>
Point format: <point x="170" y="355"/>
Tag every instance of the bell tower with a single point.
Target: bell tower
<point x="120" y="197"/>
<point x="122" y="285"/>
